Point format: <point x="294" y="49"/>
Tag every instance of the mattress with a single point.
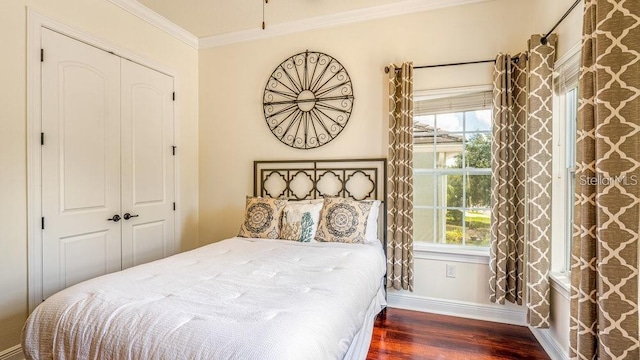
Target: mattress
<point x="237" y="299"/>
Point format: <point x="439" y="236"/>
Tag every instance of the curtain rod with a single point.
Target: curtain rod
<point x="453" y="64"/>
<point x="515" y="60"/>
<point x="543" y="40"/>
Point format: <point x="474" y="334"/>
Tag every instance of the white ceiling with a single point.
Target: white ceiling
<point x="205" y="18"/>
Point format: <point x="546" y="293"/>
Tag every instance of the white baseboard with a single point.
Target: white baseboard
<point x="457" y="308"/>
<point x="12" y="353"/>
<point x="549" y="344"/>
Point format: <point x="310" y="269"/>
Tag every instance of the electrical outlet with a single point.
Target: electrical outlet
<point x="451" y="271"/>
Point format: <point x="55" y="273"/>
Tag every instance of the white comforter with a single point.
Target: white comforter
<point x="236" y="299"/>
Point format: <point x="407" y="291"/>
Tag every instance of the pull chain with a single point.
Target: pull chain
<point x="263" y="3"/>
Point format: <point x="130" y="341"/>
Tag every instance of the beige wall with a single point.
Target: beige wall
<point x="108" y="22"/>
<point x="545" y="14"/>
<point x="560" y="310"/>
<point x="233" y="132"/>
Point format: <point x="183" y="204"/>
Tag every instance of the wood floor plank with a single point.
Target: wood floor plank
<point x="402" y="334"/>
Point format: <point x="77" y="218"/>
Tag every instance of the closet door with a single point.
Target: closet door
<point x="147" y="165"/>
<point x="80" y="162"/>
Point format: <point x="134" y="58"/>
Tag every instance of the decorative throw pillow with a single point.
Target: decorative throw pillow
<point x="343" y="220"/>
<point x="262" y="218"/>
<point x="300" y="221"/>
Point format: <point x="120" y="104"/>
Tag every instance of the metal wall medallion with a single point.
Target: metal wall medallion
<point x="308" y="100"/>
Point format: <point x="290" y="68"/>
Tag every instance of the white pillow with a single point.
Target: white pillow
<point x="300" y="221"/>
<point x="371" y="233"/>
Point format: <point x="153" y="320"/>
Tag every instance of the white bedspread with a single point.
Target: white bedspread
<point x="236" y="299"/>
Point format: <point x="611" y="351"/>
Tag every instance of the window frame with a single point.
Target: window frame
<point x="565" y="82"/>
<point x="439" y="251"/>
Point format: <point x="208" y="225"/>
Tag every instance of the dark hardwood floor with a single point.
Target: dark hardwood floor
<point x="403" y="334"/>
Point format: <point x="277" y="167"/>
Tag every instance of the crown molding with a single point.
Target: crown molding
<point x="158" y="21"/>
<point x="349" y="17"/>
<point x="321" y="22"/>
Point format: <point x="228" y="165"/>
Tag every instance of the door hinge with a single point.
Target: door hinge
<point x="173" y="150"/>
<point x="174" y="206"/>
<point x="42" y="224"/>
<point x="41" y="138"/>
<point x="41" y="55"/>
<point x="174" y="96"/>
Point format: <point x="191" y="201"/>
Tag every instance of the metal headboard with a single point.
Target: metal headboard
<point x="359" y="179"/>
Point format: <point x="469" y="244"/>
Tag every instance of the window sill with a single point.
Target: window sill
<point x="561" y="283"/>
<point x="450" y="253"/>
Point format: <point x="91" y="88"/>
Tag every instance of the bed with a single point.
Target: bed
<point x="240" y="298"/>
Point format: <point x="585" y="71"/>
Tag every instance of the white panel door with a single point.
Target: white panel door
<point x="80" y="162"/>
<point x="147" y="165"/>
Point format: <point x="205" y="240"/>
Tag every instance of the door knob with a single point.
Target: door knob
<point x="115" y="218"/>
<point x="128" y="216"/>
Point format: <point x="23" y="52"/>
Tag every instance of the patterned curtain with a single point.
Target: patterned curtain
<point x="400" y="179"/>
<point x="521" y="179"/>
<point x="539" y="168"/>
<point x="508" y="178"/>
<point x="604" y="269"/>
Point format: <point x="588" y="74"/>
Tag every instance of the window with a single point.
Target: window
<point x="571" y="118"/>
<point x="565" y="110"/>
<point x="452" y="169"/>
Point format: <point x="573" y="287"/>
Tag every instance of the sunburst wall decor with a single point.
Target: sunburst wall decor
<point x="308" y="100"/>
